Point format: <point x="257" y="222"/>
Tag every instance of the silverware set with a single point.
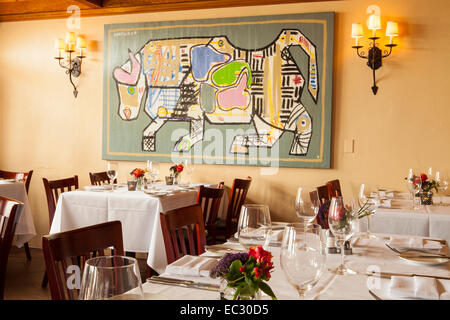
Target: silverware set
<point x="183" y="283"/>
<point x="429" y="253"/>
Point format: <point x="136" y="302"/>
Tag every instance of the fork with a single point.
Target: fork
<point x="416" y="250"/>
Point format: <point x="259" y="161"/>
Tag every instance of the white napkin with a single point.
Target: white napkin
<point x="414" y="243"/>
<point x="419" y="288"/>
<point x="386" y="194"/>
<point x="191" y="266"/>
<point x="276" y="236"/>
<point x="385" y="203"/>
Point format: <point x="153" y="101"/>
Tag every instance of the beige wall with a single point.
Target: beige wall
<point x="42" y="126"/>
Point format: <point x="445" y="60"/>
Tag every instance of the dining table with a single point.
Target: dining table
<point x="374" y="263"/>
<point x="399" y="217"/>
<point x="138" y="211"/>
<point x="25" y="230"/>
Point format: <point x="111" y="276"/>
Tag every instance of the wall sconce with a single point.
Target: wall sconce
<point x="375" y="56"/>
<point x="72" y="65"/>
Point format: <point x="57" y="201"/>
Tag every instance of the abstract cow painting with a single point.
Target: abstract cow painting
<point x="267" y="99"/>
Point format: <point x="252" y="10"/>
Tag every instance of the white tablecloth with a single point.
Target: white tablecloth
<point x="367" y="256"/>
<point x="25" y="230"/>
<point x="137" y="211"/>
<point x="428" y="221"/>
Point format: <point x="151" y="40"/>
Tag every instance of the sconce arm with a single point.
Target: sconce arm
<point x="361" y="55"/>
<point x="388" y="53"/>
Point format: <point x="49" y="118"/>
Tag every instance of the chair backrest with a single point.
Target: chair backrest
<point x="237" y="198"/>
<point x="183" y="231"/>
<point x="73" y="248"/>
<point x="14" y="175"/>
<point x="323" y="194"/>
<point x="10" y="212"/>
<point x="209" y="198"/>
<point x="99" y="178"/>
<point x="334" y="188"/>
<point x="54" y="188"/>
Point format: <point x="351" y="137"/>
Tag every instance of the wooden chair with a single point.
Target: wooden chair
<point x="52" y="190"/>
<point x="183" y="231"/>
<point x="27" y="179"/>
<point x="99" y="178"/>
<point x="210" y="198"/>
<point x="228" y="227"/>
<point x="10" y="212"/>
<point x="334" y="188"/>
<point x="74" y="247"/>
<point x="323" y="194"/>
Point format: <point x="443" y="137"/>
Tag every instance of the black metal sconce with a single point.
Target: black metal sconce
<point x="374" y="55"/>
<point x="73" y="65"/>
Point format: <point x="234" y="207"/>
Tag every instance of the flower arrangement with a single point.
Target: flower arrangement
<point x="363" y="211"/>
<point x="176" y="169"/>
<point x="138" y="173"/>
<point x="246" y="273"/>
<point x="428" y="184"/>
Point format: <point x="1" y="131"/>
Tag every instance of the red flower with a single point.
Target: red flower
<point x="180" y="168"/>
<point x="257" y="272"/>
<point x="423" y="177"/>
<point x="263" y="262"/>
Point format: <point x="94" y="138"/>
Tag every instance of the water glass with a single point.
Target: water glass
<point x="307" y="204"/>
<point x="303" y="258"/>
<point x="111" y="278"/>
<point x="442" y="185"/>
<point x="370" y="198"/>
<point x="342" y="220"/>
<point x="254" y="226"/>
<point x="414" y="183"/>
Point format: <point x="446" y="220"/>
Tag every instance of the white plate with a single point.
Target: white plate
<point x="221" y="249"/>
<point x="157" y="193"/>
<point x="411" y="258"/>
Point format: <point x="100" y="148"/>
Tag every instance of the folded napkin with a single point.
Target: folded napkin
<point x="386" y="193"/>
<point x="419" y="288"/>
<point x="385" y="203"/>
<point x="414" y="243"/>
<point x="196" y="266"/>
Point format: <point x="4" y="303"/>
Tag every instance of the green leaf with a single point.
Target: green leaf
<point x="267" y="290"/>
<point x="234" y="270"/>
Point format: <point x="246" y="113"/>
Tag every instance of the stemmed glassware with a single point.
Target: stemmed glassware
<point x="414" y="183"/>
<point x="303" y="257"/>
<point x="369" y="197"/>
<point x="112" y="171"/>
<point x="111" y="278"/>
<point x="153" y="169"/>
<point x="254" y="226"/>
<point x="307" y="204"/>
<point x="189" y="168"/>
<point x="442" y="182"/>
<point x="342" y="220"/>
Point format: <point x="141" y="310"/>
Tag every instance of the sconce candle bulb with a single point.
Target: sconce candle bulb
<point x="73" y="65"/>
<point x="374" y="54"/>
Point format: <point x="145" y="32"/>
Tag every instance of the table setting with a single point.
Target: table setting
<point x="15" y="189"/>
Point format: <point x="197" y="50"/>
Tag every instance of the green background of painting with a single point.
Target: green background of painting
<point x="126" y="136"/>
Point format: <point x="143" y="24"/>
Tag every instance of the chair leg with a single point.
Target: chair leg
<point x="44" y="281"/>
<point x="27" y="250"/>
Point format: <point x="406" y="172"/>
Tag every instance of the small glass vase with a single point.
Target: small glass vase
<point x="426" y="198"/>
<point x="227" y="293"/>
<point x="177" y="179"/>
<point x="169" y="180"/>
<point x="140" y="183"/>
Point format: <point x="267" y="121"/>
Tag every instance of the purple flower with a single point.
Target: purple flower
<point x="322" y="215"/>
<point x="223" y="265"/>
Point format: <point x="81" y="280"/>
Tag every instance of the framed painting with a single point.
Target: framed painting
<point x="253" y="90"/>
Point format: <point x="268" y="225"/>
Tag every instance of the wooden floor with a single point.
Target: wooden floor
<point x="24" y="278"/>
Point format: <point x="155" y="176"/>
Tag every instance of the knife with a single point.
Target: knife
<point x="390" y="274"/>
<point x="184" y="283"/>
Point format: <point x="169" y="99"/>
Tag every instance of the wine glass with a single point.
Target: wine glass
<point x="189" y="168"/>
<point x="342" y="220"/>
<point x="303" y="258"/>
<point x="369" y="197"/>
<point x="442" y="182"/>
<point x="254" y="227"/>
<point x="307" y="204"/>
<point x="414" y="183"/>
<point x="153" y="168"/>
<point x="112" y="171"/>
<point x="111" y="278"/>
